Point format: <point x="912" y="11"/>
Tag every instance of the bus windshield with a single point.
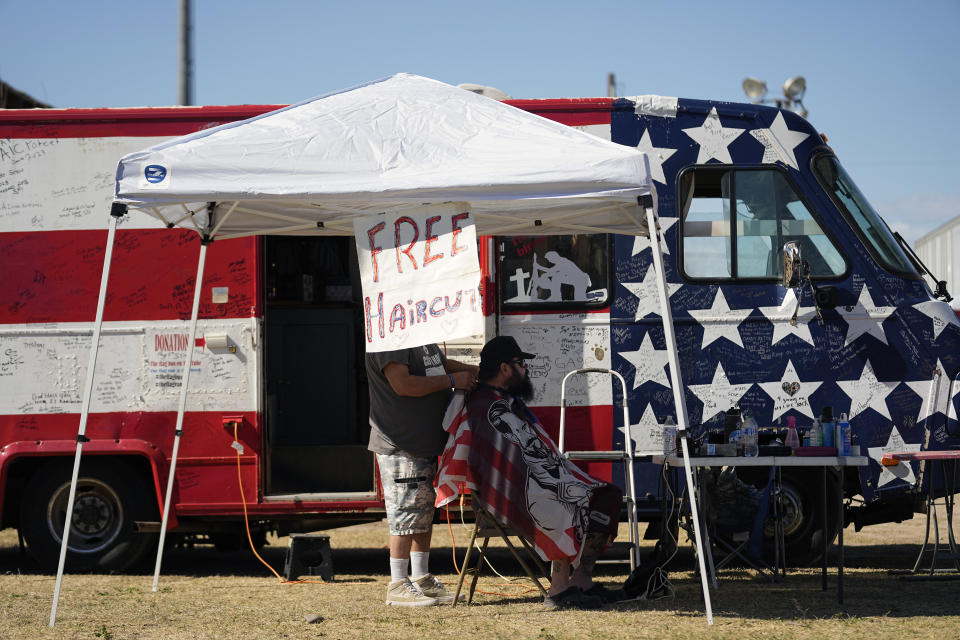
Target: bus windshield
<point x="859" y="213"/>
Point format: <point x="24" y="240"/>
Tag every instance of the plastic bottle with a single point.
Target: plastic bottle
<point x="669" y="437"/>
<point x="816" y="434"/>
<point x="749" y="436"/>
<point x="828" y="427"/>
<point x="843" y="436"/>
<point x="792" y="440"/>
<point x="731" y="423"/>
<point x="736" y="439"/>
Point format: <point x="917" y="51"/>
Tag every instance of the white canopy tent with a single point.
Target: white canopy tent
<point x="388" y="145"/>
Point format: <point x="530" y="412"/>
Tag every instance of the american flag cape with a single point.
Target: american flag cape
<point x="498" y="450"/>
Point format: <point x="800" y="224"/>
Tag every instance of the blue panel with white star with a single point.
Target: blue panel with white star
<point x="876" y="357"/>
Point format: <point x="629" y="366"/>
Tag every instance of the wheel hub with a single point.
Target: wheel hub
<point x="791" y="512"/>
<point x="97" y="517"/>
<point x="90" y="514"/>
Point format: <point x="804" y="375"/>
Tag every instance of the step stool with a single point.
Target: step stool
<point x="309" y="554"/>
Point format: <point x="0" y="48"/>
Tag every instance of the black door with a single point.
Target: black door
<point x="316" y="417"/>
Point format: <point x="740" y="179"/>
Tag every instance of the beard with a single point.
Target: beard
<point x="522" y="388"/>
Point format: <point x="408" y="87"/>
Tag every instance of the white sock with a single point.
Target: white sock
<point x="419" y="564"/>
<point x="398" y="568"/>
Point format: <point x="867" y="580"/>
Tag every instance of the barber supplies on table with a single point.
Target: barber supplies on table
<point x="816" y="434"/>
<point x="792" y="440"/>
<point x="748" y="434"/>
<point x="829" y="433"/>
<point x="714" y="444"/>
<point x="731" y="423"/>
<point x="736" y="441"/>
<point x="669" y="437"/>
<point x="843" y="436"/>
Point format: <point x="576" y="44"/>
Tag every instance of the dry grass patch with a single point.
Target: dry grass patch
<point x="206" y="594"/>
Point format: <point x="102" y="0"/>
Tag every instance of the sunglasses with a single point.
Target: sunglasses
<point x="521" y="363"/>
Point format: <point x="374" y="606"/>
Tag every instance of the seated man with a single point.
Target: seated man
<point x="514" y="470"/>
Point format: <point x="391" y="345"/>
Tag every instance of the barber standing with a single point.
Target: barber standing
<point x="409" y="392"/>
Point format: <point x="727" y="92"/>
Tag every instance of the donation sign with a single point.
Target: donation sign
<point x="420" y="276"/>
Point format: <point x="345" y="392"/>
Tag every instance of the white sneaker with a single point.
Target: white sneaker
<point x="433" y="588"/>
<point x="403" y="593"/>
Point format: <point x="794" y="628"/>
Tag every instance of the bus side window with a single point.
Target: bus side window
<point x="768" y="213"/>
<point x="706" y="224"/>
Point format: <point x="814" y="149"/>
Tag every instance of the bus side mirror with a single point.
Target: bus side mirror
<point x="791" y="265"/>
<point x="941" y="291"/>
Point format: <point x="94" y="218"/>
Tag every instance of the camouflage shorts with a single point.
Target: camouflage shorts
<point x="408" y="492"/>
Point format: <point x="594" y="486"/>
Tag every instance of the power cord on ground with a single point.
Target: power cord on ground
<point x="246" y="518"/>
<point x="658" y="584"/>
<point x="509" y="582"/>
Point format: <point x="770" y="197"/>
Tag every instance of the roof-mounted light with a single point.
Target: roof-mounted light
<point x="754" y="88"/>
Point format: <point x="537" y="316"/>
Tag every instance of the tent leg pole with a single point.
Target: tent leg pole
<point x="178" y="432"/>
<point x="676" y="380"/>
<point x="84" y="410"/>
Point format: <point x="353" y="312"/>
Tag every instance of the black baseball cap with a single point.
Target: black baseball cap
<point x="497" y="350"/>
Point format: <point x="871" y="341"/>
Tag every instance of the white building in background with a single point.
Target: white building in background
<point x="940" y="251"/>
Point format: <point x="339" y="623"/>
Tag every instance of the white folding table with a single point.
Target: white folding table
<point x="947" y="462"/>
<point x="825" y="463"/>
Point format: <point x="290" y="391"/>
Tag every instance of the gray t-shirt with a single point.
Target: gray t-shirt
<point x="403" y="424"/>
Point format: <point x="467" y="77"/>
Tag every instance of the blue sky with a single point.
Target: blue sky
<point x="883" y="77"/>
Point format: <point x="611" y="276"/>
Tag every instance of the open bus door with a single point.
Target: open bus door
<point x="314" y="381"/>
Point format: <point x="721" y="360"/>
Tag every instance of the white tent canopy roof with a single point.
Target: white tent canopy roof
<point x="391" y="144"/>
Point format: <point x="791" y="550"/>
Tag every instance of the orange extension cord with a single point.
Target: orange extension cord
<point x="246" y="520"/>
<point x="453" y="545"/>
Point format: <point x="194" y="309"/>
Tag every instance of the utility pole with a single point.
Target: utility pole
<point x="186" y="55"/>
<point x="611" y="86"/>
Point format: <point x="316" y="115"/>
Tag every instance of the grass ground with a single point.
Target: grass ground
<point x="207" y="594"/>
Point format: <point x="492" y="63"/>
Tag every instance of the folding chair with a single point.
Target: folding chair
<point x="742" y="542"/>
<point x="486" y="527"/>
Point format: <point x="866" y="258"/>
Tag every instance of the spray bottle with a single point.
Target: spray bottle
<point x="792" y="439"/>
<point x="843" y="436"/>
<point x="828" y="427"/>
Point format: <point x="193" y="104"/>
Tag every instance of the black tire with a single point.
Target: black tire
<point x="110" y="497"/>
<point x="803" y="523"/>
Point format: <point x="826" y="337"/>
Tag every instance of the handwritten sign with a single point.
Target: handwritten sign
<point x="420" y="276"/>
